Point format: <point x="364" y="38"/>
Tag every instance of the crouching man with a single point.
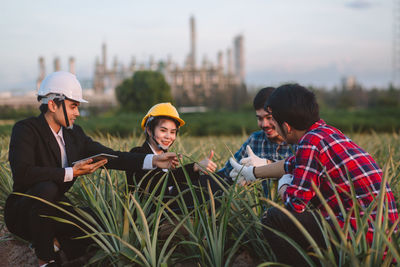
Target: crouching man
<point x="262" y="146"/>
<point x="322" y="150"/>
<point x="41" y="153"/>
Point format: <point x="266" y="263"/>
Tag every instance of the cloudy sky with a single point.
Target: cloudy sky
<point x="313" y="42"/>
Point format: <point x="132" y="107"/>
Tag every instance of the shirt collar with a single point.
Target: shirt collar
<point x="60" y="133"/>
<point x="154" y="152"/>
<point x="317" y="124"/>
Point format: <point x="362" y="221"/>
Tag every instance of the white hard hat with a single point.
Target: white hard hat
<point x="61" y="84"/>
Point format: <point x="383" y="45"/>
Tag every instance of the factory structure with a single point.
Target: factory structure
<point x="192" y="84"/>
<point x="204" y="84"/>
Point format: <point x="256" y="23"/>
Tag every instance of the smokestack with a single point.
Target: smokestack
<point x="220" y="60"/>
<point x="42" y="68"/>
<point x="57" y="65"/>
<point x="229" y="60"/>
<point x="42" y="72"/>
<point x="72" y="65"/>
<point x="104" y="59"/>
<point x="192" y="42"/>
<point x="239" y="57"/>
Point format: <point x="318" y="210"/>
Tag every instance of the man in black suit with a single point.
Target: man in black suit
<point x="41" y="153"/>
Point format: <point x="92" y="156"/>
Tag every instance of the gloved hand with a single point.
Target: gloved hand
<point x="245" y="171"/>
<point x="252" y="159"/>
<point x="235" y="176"/>
<point x="285" y="179"/>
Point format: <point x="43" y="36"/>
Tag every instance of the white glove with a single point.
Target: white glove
<point x="233" y="174"/>
<point x="252" y="159"/>
<point x="285" y="179"/>
<point x="238" y="177"/>
<point x="245" y="171"/>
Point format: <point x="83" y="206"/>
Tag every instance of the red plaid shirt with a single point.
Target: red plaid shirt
<point x="324" y="145"/>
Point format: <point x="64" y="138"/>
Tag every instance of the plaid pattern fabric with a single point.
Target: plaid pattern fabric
<point x="263" y="148"/>
<point x="325" y="150"/>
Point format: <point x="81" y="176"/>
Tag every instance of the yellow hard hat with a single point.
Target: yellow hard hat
<point x="163" y="109"/>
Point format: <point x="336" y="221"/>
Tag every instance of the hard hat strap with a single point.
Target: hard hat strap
<point x="159" y="146"/>
<point x="65" y="114"/>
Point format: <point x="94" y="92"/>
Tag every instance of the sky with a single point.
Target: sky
<point x="312" y="42"/>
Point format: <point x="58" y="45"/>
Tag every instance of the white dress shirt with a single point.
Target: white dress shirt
<point x="69" y="173"/>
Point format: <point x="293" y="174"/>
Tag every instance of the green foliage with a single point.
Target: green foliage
<point x="358" y="98"/>
<point x="17" y="114"/>
<point x="143" y="90"/>
<point x="237" y="123"/>
<point x="215" y="231"/>
<point x="233" y="123"/>
<point x="5" y="188"/>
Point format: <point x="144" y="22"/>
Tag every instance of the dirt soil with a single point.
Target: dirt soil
<point x="17" y="253"/>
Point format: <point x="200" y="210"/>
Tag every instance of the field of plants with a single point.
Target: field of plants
<point x="216" y="123"/>
<point x="215" y="231"/>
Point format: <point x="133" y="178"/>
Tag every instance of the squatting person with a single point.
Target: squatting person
<point x="263" y="146"/>
<point x="322" y="150"/>
<point x="41" y="153"/>
<point x="161" y="126"/>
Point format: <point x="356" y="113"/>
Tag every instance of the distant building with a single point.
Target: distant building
<point x="220" y="84"/>
<point x="208" y="84"/>
<point x="57" y="67"/>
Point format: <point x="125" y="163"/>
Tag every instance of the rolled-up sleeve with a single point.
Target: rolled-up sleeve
<point x="305" y="168"/>
<point x="289" y="163"/>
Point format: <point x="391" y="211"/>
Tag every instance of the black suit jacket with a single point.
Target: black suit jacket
<point x="35" y="156"/>
<point x="155" y="175"/>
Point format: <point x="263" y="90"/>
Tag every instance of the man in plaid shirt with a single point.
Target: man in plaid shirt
<point x="262" y="145"/>
<point x="322" y="150"/>
<point x="325" y="150"/>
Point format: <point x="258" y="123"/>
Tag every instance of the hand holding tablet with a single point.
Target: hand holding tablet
<point x="97" y="157"/>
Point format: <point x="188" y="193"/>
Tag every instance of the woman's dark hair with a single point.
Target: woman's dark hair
<point x="152" y="122"/>
<point x="262" y="97"/>
<point x="295" y="105"/>
<point x="44" y="107"/>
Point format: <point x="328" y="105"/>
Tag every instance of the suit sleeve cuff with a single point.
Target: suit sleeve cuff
<point x="69" y="174"/>
<point x="148" y="162"/>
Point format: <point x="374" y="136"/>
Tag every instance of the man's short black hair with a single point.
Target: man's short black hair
<point x="45" y="107"/>
<point x="262" y="97"/>
<point x="295" y="105"/>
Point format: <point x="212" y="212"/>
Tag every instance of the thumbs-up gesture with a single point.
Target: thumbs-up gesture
<point x="206" y="164"/>
<point x="244" y="172"/>
<point x="252" y="159"/>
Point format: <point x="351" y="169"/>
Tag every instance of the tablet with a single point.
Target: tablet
<point x="97" y="158"/>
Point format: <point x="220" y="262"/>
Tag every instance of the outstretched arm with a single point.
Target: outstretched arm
<point x="166" y="160"/>
<point x="272" y="170"/>
<point x="250" y="173"/>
